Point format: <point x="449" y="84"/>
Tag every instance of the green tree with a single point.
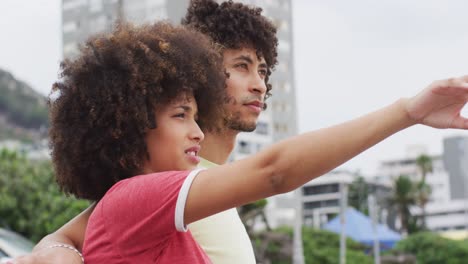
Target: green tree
<point x="402" y="198"/>
<point x="430" y="248"/>
<point x="30" y="200"/>
<point x="424" y="164"/>
<point x="323" y="247"/>
<point x="274" y="246"/>
<point x="358" y="193"/>
<point x="249" y="214"/>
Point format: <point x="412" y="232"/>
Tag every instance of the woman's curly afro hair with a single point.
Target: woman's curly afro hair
<point x="104" y="104"/>
<point x="234" y="26"/>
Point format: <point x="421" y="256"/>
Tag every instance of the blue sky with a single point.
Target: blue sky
<point x="351" y="57"/>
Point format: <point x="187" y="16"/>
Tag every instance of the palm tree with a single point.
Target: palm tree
<point x="402" y="198"/>
<point x="358" y="193"/>
<point x="424" y="163"/>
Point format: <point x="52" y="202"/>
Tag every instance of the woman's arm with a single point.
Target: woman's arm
<point x="291" y="163"/>
<point x="72" y="233"/>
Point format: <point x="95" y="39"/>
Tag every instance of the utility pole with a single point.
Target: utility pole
<point x="373" y="215"/>
<point x="343" y="206"/>
<point x="298" y="250"/>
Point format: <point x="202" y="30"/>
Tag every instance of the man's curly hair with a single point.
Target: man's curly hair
<point x="234" y="26"/>
<point x="107" y="97"/>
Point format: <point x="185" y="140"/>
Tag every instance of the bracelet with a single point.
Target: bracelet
<point x="68" y="247"/>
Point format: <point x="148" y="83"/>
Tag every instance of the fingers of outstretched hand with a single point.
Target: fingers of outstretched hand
<point x="457" y="89"/>
<point x="460" y="123"/>
<point x="452" y="86"/>
<point x="440" y="104"/>
<point x="27" y="259"/>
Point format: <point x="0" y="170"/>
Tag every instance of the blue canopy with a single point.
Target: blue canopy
<point x="359" y="228"/>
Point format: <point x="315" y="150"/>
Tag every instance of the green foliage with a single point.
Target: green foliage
<point x="424" y="191"/>
<point x="30" y="200"/>
<point x="323" y="247"/>
<point x="358" y="193"/>
<point x="250" y="212"/>
<point x="430" y="248"/>
<point x="424" y="163"/>
<point x="402" y="198"/>
<point x="274" y="246"/>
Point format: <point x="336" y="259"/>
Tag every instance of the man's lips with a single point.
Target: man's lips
<point x="257" y="106"/>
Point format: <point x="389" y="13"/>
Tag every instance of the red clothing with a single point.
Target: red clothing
<point x="135" y="222"/>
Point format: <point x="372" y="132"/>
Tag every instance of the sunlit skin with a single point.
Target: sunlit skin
<point x="246" y="88"/>
<point x="175" y="143"/>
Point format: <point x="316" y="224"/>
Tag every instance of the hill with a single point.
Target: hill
<point x="23" y="111"/>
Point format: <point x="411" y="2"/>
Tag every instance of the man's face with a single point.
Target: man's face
<point x="246" y="88"/>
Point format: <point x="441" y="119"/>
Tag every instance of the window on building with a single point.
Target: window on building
<point x="282" y="67"/>
<point x="72" y="4"/>
<point x="244" y="147"/>
<point x="70" y="49"/>
<point x="312" y="205"/>
<point x="286" y="87"/>
<point x="70" y="26"/>
<point x="284" y="25"/>
<point x="259" y="147"/>
<point x="262" y="128"/>
<point x="158" y="12"/>
<point x="330" y="203"/>
<point x="321" y="189"/>
<point x="283" y="45"/>
<point x="320" y="204"/>
<point x="98" y="24"/>
<point x="276" y="126"/>
<point x="95" y="6"/>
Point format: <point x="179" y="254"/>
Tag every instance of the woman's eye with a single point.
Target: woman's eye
<point x="263" y="73"/>
<point x="181" y="115"/>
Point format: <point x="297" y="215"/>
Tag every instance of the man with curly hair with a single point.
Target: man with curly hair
<point x="278" y="169"/>
<point x="249" y="47"/>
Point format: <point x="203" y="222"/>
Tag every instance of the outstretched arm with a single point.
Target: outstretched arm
<point x="291" y="163"/>
<point x="72" y="233"/>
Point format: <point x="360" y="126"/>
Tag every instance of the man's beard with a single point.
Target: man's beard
<point x="235" y="122"/>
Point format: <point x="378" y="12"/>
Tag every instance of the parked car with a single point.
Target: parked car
<point x="13" y="244"/>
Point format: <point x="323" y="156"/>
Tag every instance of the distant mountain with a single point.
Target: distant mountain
<point x="23" y="111"/>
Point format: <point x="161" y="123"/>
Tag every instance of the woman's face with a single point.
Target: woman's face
<point x="175" y="143"/>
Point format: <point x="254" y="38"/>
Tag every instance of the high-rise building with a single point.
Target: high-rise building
<point x="456" y="163"/>
<point x="81" y="18"/>
<point x="447" y="207"/>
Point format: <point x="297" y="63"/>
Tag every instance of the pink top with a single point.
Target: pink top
<point x="140" y="220"/>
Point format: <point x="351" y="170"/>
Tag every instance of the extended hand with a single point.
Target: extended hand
<point x="440" y="104"/>
<point x="49" y="256"/>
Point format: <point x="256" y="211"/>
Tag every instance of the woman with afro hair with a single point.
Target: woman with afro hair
<point x="142" y="218"/>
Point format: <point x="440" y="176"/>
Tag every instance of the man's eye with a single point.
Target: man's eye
<point x="241" y="65"/>
<point x="263" y="72"/>
<point x="181" y="115"/>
